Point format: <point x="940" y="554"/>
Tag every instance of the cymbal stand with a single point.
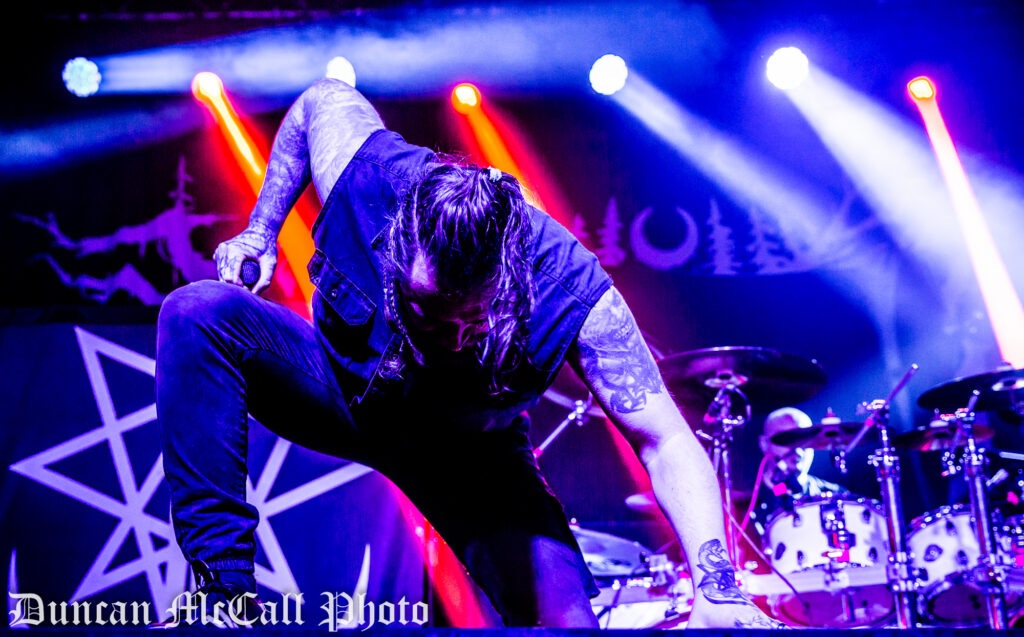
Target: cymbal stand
<point x="720" y="415"/>
<point x="991" y="571"/>
<point x="901" y="582"/>
<point x="578" y="415"/>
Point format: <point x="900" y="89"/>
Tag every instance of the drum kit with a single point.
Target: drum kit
<point x="838" y="561"/>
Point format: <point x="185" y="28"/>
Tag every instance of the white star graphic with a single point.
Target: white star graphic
<point x="129" y="507"/>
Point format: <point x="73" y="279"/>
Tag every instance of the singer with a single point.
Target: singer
<point x="439" y="291"/>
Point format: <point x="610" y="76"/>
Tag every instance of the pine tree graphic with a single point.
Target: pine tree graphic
<point x="721" y="247"/>
<point x="767" y="250"/>
<point x="609" y="250"/>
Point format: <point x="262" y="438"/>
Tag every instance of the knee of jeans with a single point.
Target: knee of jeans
<point x="198" y="303"/>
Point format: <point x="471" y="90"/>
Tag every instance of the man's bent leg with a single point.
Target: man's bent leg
<point x="213" y="339"/>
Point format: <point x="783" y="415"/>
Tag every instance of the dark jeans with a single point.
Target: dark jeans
<point x="224" y="353"/>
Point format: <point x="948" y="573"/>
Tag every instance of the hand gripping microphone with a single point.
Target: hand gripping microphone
<point x="250" y="272"/>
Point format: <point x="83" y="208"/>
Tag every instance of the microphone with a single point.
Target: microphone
<point x="250" y="272"/>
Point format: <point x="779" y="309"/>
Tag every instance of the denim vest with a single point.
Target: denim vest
<point x="348" y="306"/>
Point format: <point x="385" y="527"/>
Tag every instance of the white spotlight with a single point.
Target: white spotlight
<point x="787" y="68"/>
<point x="81" y="77"/>
<point x="340" y="68"/>
<point x="608" y="74"/>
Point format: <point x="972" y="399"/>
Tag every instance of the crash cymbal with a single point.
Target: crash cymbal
<point x="1002" y="389"/>
<point x="769" y="378"/>
<point x="940" y="435"/>
<point x="825" y="435"/>
<point x="611" y="556"/>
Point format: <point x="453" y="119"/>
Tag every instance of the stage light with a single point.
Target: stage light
<point x="206" y="86"/>
<point x="921" y="88"/>
<point x="465" y="97"/>
<point x="787" y="68"/>
<point x="608" y="74"/>
<point x="340" y="68"/>
<point x="81" y="77"/>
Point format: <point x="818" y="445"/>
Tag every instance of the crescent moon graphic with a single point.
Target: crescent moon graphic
<point x="655" y="257"/>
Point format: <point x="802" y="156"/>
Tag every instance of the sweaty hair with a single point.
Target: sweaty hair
<point x="472" y="228"/>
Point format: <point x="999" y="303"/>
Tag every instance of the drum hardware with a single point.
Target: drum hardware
<point x="579" y="415"/>
<point x="834" y="547"/>
<point x="833" y="523"/>
<point x="991" y="572"/>
<point x="722" y="417"/>
<point x="735" y="378"/>
<point x="637" y="586"/>
<point x="903" y="581"/>
<point x="840" y="541"/>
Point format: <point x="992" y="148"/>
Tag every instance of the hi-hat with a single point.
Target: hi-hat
<point x="940" y="435"/>
<point x="611" y="556"/>
<point x="999" y="390"/>
<point x="825" y="435"/>
<point x="769" y="378"/>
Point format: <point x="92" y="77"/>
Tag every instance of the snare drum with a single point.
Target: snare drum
<point x="944" y="547"/>
<point x="799" y="542"/>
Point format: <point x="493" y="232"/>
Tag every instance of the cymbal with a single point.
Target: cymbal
<point x="769" y="378"/>
<point x="821" y="436"/>
<point x="611" y="556"/>
<point x="1001" y="389"/>
<point x="643" y="502"/>
<point x="940" y="435"/>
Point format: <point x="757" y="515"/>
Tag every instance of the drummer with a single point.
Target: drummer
<point x="785" y="470"/>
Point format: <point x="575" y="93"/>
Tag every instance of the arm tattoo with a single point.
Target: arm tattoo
<point x="614" y="356"/>
<point x="719" y="582"/>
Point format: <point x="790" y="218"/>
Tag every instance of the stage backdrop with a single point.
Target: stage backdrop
<point x="90" y="245"/>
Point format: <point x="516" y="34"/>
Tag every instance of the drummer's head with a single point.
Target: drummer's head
<point x="786" y="419"/>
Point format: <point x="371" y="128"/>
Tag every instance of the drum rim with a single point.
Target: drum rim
<point x="944" y="511"/>
<point x="868" y="503"/>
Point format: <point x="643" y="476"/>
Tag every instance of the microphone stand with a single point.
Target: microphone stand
<point x="887" y="468"/>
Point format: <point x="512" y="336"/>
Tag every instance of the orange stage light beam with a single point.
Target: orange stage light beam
<point x="493" y="141"/>
<point x="1005" y="312"/>
<point x="295" y="240"/>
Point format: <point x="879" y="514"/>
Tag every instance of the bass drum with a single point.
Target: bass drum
<point x="797" y="542"/>
<point x="944" y="547"/>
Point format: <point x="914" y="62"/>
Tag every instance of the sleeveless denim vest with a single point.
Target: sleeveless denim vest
<point x="348" y="305"/>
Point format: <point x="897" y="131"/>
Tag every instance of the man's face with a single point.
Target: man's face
<point x="438" y="321"/>
<point x="789" y="459"/>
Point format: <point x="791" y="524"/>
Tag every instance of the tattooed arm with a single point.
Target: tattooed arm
<point x="315" y="142"/>
<point x="612" y="358"/>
